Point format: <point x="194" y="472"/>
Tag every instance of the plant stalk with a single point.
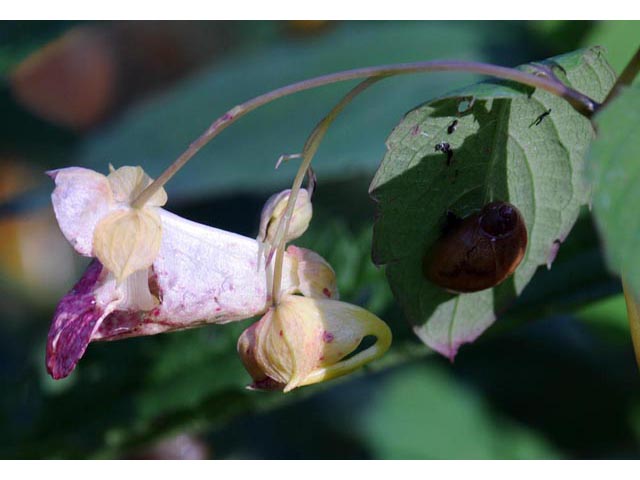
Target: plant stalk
<point x="309" y="151"/>
<point x="580" y="102"/>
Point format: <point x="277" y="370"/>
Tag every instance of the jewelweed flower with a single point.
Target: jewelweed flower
<point x="199" y="274"/>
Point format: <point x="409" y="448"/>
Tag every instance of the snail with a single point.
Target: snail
<point x="479" y="251"/>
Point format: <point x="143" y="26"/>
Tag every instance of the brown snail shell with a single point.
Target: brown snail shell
<point x="479" y="252"/>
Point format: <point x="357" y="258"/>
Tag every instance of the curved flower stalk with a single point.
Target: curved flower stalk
<point x="198" y="275"/>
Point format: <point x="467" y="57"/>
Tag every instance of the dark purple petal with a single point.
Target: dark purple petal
<point x="73" y="324"/>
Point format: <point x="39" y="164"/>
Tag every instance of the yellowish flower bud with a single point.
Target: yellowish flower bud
<point x="274" y="210"/>
<point x="302" y="341"/>
<point x="316" y="278"/>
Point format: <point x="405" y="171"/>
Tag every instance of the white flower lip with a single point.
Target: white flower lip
<point x="80" y="200"/>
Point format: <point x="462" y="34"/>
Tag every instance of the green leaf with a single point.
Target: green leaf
<point x="421" y="413"/>
<point x="154" y="133"/>
<point x="607" y="318"/>
<point x="618" y="37"/>
<point x="503" y="149"/>
<point x="614" y="167"/>
<point x="559" y="291"/>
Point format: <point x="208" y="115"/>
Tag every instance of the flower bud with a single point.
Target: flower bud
<point x="274" y="210"/>
<point x="316" y="278"/>
<point x="302" y="341"/>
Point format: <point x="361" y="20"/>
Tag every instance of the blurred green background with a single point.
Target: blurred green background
<point x="555" y="377"/>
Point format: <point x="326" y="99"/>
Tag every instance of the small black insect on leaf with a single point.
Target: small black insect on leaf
<point x="445" y="148"/>
<point x="452" y="127"/>
<point x="538" y="120"/>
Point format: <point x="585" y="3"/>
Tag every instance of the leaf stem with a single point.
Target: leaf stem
<point x="580" y="102"/>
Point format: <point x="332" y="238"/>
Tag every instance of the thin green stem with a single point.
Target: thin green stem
<point x="309" y="151"/>
<point x="580" y="102"/>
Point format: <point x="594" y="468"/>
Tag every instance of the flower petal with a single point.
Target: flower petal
<point x="287" y="346"/>
<point x="128" y="240"/>
<point x="202" y="275"/>
<point x="76" y="318"/>
<point x="344" y="327"/>
<point x="80" y="200"/>
<point x="316" y="278"/>
<point x="208" y="273"/>
<point x="129" y="182"/>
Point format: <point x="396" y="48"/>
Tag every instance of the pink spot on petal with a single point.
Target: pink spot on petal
<point x="327" y="337"/>
<point x="326" y="292"/>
